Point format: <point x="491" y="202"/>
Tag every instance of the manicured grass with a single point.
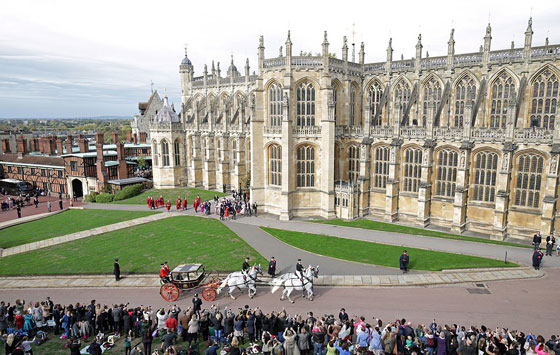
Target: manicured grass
<point x="390" y="227"/>
<point x="380" y="254"/>
<point x="140" y="249"/>
<point x="63" y="223"/>
<point x="171" y="196"/>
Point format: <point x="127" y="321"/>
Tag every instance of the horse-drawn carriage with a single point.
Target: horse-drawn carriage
<point x="192" y="276"/>
<point x="188" y="277"/>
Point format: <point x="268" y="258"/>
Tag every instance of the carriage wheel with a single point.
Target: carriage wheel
<point x="169" y="292"/>
<point x="209" y="294"/>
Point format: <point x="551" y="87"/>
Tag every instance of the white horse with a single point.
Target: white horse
<point x="240" y="280"/>
<point x="293" y="281"/>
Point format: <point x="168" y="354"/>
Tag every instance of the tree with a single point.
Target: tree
<point x="141" y="161"/>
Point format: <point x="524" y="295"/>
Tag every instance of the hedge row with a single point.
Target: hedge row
<point x="127" y="192"/>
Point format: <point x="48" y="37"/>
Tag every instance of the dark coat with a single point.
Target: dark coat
<point x="537" y="257"/>
<point x="116" y="268"/>
<point x="272" y="267"/>
<point x="403" y="261"/>
<point x="251" y="324"/>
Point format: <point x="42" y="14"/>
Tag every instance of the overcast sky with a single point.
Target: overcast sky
<point x="89" y="58"/>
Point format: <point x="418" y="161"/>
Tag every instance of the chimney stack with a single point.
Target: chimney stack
<point x="83" y="144"/>
<point x="35" y="144"/>
<point x="59" y="146"/>
<point x="142" y="137"/>
<point x="135" y="138"/>
<point x="69" y="144"/>
<point x="101" y="172"/>
<point x="6" y="146"/>
<point x="129" y="136"/>
<point x="21" y="147"/>
<point x="122" y="173"/>
<point x="115" y="136"/>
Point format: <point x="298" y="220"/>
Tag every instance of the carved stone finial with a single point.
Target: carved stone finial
<point x="488" y="29"/>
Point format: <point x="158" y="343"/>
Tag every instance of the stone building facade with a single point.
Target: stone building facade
<point x="463" y="141"/>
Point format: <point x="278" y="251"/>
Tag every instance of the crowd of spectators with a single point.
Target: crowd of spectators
<point x="251" y="330"/>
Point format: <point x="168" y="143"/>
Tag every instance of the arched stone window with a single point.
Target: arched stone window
<point x="502" y="88"/>
<point x="275" y="164"/>
<point x="462" y="89"/>
<point x="431" y="91"/>
<point x="412" y="169"/>
<point x="402" y="93"/>
<point x="353" y="163"/>
<point x="446" y="172"/>
<point x="165" y="152"/>
<point x="529" y="179"/>
<point x="275" y="104"/>
<point x="155" y="153"/>
<point x="485" y="171"/>
<point x="336" y="93"/>
<point x="544" y="97"/>
<point x="177" y="153"/>
<point x="374" y="95"/>
<point x="305" y="161"/>
<point x="305" y="115"/>
<point x="355" y="115"/>
<point x="380" y="167"/>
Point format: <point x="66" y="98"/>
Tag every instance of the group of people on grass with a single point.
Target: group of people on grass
<point x="251" y="330"/>
<point x="538" y="255"/>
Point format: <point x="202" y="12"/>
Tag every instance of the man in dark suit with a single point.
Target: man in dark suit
<point x="403" y="261"/>
<point x="117" y="270"/>
<point x="537" y="239"/>
<point x="537" y="258"/>
<point x="550" y="241"/>
<point x="272" y="267"/>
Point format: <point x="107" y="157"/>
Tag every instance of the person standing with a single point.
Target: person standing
<point x="117" y="270"/>
<point x="197" y="304"/>
<point x="178" y="203"/>
<point x="36" y="201"/>
<point x="255" y="208"/>
<point x="60" y="202"/>
<point x="18" y="209"/>
<point x="403" y="261"/>
<point x="168" y="206"/>
<point x="185" y="203"/>
<point x="537" y="239"/>
<point x="272" y="267"/>
<point x="550" y="241"/>
<point x="537" y="258"/>
<point x="49" y="206"/>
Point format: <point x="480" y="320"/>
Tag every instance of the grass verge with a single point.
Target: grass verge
<point x="67" y="222"/>
<point x="381" y="254"/>
<point x="396" y="228"/>
<point x="140" y="249"/>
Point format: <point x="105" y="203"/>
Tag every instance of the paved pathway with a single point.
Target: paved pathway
<point x="366" y="280"/>
<point x="31" y="210"/>
<point x="83" y="234"/>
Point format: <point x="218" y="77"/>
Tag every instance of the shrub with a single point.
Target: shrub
<point x="91" y="196"/>
<point x="128" y="192"/>
<point x="104" y="198"/>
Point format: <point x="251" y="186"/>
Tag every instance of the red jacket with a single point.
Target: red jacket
<point x="171" y="324"/>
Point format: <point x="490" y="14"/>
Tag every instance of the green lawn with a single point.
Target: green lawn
<point x="140" y="249"/>
<point x="390" y="227"/>
<point x="380" y="254"/>
<point x="63" y="223"/>
<point x="171" y="195"/>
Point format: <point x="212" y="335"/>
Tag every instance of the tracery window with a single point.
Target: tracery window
<point x="402" y="92"/>
<point x="412" y="169"/>
<point x="446" y="172"/>
<point x="529" y="179"/>
<point x="462" y="90"/>
<point x="354" y="107"/>
<point x="305" y="105"/>
<point x="305" y="161"/>
<point x="353" y="164"/>
<point x="275" y="164"/>
<point x="165" y="153"/>
<point x="177" y="153"/>
<point x="381" y="167"/>
<point x="544" y="98"/>
<point x="502" y="89"/>
<point x="275" y="104"/>
<point x="335" y="103"/>
<point x="155" y="153"/>
<point x="432" y="91"/>
<point x="485" y="170"/>
<point x="374" y="95"/>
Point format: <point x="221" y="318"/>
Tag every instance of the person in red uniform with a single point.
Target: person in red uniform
<point x="164" y="272"/>
<point x="148" y="202"/>
<point x="178" y="203"/>
<point x="168" y="206"/>
<point x="185" y="204"/>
